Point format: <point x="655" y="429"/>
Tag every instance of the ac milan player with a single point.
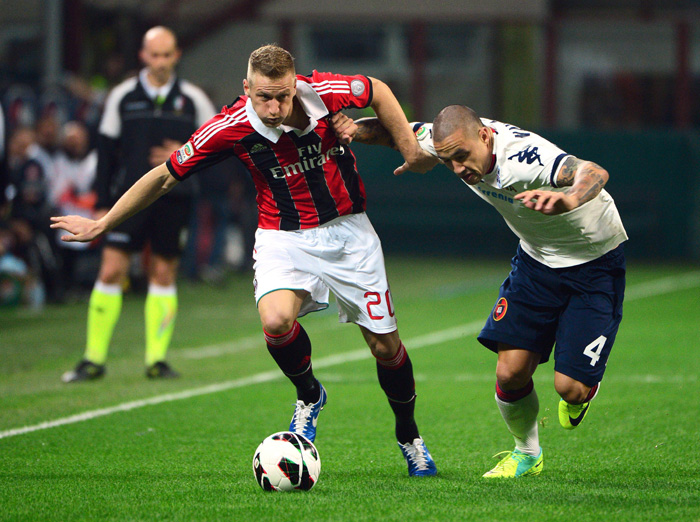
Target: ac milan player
<point x="313" y="234"/>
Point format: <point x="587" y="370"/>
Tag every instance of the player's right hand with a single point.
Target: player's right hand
<point x="421" y="163"/>
<point x="81" y="229"/>
<point x="344" y="128"/>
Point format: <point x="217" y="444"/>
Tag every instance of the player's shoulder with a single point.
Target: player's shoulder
<point x="330" y="82"/>
<point x="231" y="123"/>
<point x="237" y="108"/>
<point x="515" y="136"/>
<point x="424" y="134"/>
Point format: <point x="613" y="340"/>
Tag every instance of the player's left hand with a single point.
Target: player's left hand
<point x="81" y="229"/>
<point x="160" y="153"/>
<point x="344" y="128"/>
<point x="547" y="202"/>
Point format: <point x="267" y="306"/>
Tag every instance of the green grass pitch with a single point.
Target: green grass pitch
<point x="126" y="448"/>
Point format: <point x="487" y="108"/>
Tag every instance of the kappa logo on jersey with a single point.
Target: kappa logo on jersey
<point x="357" y="87"/>
<point x="499" y="311"/>
<point x="528" y="155"/>
<point x="184" y="153"/>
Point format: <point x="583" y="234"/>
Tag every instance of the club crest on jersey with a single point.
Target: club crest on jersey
<point x="184" y="153"/>
<point x="179" y="103"/>
<point x="499" y="311"/>
<point x="357" y="87"/>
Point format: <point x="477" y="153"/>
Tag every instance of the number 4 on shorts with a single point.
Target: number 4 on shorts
<point x="593" y="350"/>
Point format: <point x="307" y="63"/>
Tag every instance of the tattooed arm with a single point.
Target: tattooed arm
<point x="370" y="131"/>
<point x="586" y="180"/>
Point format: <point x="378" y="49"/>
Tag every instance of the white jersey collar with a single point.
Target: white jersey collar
<point x="153" y="91"/>
<point x="311" y="103"/>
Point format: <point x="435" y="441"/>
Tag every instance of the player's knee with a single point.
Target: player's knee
<point x="383" y="346"/>
<point x="162" y="277"/>
<point x="382" y="350"/>
<point x="573" y="392"/>
<point x="276" y="322"/>
<point x="163" y="271"/>
<point x="111" y="275"/>
<point x="512" y="378"/>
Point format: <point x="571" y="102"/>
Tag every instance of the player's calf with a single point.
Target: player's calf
<point x="571" y="415"/>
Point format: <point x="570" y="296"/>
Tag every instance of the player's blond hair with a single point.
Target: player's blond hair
<point x="453" y="118"/>
<point x="270" y="61"/>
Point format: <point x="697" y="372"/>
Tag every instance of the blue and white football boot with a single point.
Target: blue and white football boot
<point x="420" y="463"/>
<point x="306" y="416"/>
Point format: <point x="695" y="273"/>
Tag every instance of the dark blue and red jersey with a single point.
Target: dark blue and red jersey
<point x="303" y="178"/>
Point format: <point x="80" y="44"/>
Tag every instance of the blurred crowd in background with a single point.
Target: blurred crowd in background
<point x="48" y="167"/>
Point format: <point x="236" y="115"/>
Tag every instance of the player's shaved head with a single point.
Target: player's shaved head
<point x="160" y="34"/>
<point x="270" y="61"/>
<point x="453" y="118"/>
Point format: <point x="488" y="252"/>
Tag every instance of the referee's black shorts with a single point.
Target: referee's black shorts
<point x="163" y="223"/>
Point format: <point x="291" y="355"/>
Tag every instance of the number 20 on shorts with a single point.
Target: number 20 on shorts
<point x="374" y="302"/>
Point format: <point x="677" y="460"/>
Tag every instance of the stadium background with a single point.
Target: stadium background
<point x="614" y="81"/>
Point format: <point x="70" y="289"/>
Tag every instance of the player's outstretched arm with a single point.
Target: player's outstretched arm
<point x="585" y="178"/>
<point x="391" y="116"/>
<point x="145" y="191"/>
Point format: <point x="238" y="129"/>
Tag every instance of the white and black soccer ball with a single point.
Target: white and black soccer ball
<point x="286" y="461"/>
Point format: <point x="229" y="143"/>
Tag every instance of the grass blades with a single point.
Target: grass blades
<point x="186" y="454"/>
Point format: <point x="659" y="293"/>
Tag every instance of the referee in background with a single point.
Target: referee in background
<point x="145" y="119"/>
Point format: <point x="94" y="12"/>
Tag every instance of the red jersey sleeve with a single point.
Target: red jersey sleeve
<point x="210" y="144"/>
<point x="339" y="91"/>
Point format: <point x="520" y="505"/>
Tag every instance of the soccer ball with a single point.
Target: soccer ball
<point x="286" y="461"/>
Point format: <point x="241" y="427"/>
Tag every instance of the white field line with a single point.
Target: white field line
<point x="324" y="362"/>
<point x="652" y="288"/>
<point x="240" y="345"/>
<point x="648" y="289"/>
<point x="665" y="285"/>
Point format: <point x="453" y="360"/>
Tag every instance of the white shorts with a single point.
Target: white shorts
<point x="344" y="255"/>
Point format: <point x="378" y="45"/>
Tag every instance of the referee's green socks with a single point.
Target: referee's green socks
<point x="160" y="312"/>
<point x="103" y="314"/>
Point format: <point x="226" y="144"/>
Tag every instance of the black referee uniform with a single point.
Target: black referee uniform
<point x="135" y="120"/>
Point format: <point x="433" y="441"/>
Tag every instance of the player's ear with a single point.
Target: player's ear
<point x="484" y="134"/>
<point x="246" y="87"/>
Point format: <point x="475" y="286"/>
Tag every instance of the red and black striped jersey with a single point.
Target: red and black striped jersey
<point x="303" y="178"/>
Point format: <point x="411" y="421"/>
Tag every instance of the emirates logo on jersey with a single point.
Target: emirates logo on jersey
<point x="499" y="311"/>
<point x="311" y="157"/>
